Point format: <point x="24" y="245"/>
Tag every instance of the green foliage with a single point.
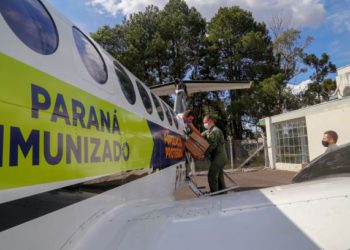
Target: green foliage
<point x="184" y="29"/>
<point x="111" y="39"/>
<point x="244" y="51"/>
<point x="270" y="97"/>
<point x="145" y="53"/>
<point x="243" y="45"/>
<point x="318" y="90"/>
<point x="289" y="52"/>
<point x="329" y="85"/>
<point x="159" y="46"/>
<point x="322" y="66"/>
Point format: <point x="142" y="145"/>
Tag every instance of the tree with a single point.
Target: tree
<point x="137" y="44"/>
<point x="243" y="45"/>
<point x="288" y="45"/>
<point x="328" y="86"/>
<point x="161" y="45"/>
<point x="146" y="50"/>
<point x="244" y="51"/>
<point x="270" y="97"/>
<point x="322" y="67"/>
<point x="289" y="52"/>
<point x="111" y="39"/>
<point x="183" y="29"/>
<point x="157" y="46"/>
<point x="279" y="23"/>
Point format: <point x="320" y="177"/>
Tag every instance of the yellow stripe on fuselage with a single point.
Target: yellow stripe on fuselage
<point x="52" y="131"/>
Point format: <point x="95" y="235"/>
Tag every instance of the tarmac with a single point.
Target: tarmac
<point x="246" y="180"/>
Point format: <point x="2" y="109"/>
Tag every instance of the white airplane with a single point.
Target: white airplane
<point x="71" y="113"/>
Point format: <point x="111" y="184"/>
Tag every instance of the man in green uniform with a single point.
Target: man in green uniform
<point x="216" y="153"/>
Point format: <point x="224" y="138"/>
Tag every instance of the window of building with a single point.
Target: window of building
<point x="90" y="56"/>
<point x="158" y="106"/>
<point x="291" y="141"/>
<point x="168" y="115"/>
<point x="32" y="24"/>
<point x="125" y="83"/>
<point x="146" y="100"/>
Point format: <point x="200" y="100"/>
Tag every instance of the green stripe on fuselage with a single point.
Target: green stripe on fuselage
<point x="41" y="142"/>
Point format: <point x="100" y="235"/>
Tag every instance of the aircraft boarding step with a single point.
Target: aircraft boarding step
<point x="197" y="189"/>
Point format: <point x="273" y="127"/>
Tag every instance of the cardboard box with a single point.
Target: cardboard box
<point x="196" y="145"/>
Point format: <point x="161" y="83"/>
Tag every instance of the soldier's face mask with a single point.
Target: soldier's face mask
<point x="206" y="125"/>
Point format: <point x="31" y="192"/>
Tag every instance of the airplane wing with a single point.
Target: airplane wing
<point x="143" y="215"/>
<point x="196" y="86"/>
<point x="298" y="216"/>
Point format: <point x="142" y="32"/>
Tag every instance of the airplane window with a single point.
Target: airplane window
<point x="125" y="83"/>
<point x="168" y="115"/>
<point x="91" y="57"/>
<point x="145" y="97"/>
<point x="32" y="24"/>
<point x="174" y="118"/>
<point x="158" y="107"/>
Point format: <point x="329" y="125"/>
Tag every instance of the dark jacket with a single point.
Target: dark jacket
<point x="216" y="151"/>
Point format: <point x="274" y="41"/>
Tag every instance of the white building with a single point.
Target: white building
<point x="294" y="138"/>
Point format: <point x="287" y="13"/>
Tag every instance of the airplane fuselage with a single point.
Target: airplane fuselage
<point x="69" y="111"/>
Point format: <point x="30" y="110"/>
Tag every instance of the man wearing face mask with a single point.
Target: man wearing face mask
<point x="329" y="140"/>
<point x="216" y="153"/>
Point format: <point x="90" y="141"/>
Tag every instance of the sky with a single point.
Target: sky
<point x="327" y="21"/>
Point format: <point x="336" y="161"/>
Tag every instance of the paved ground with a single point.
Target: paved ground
<point x="245" y="180"/>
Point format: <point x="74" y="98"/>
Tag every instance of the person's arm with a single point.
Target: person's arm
<point x="193" y="128"/>
<point x="188" y="121"/>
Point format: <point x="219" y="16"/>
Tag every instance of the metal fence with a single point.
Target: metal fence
<point x="240" y="154"/>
